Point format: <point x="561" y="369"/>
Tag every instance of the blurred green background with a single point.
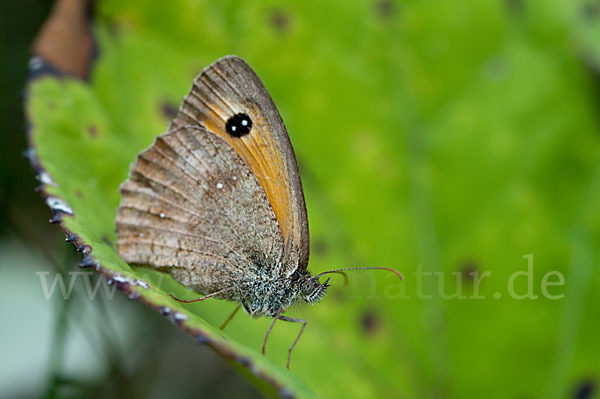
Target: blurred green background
<point x="445" y="138"/>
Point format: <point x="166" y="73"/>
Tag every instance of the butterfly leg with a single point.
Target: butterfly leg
<point x="230" y="317"/>
<point x="202" y="298"/>
<point x="290" y="319"/>
<point x="269" y="330"/>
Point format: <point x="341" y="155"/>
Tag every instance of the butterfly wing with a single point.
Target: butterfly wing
<point x="227" y="88"/>
<point x="191" y="204"/>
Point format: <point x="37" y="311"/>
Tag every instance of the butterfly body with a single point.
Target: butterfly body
<point x="266" y="297"/>
<point x="217" y="200"/>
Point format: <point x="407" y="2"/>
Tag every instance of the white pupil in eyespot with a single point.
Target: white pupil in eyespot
<point x="244" y="122"/>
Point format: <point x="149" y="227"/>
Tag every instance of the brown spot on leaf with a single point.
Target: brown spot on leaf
<point x="320" y="247"/>
<point x="168" y="110"/>
<point x="78" y="194"/>
<point x="585" y="389"/>
<point x="107" y="241"/>
<point x="114" y="28"/>
<point x="514" y="6"/>
<point x="385" y="9"/>
<point x="280" y="20"/>
<point x="591" y="10"/>
<point x="370" y="322"/>
<point x="469" y="269"/>
<point x="92" y="130"/>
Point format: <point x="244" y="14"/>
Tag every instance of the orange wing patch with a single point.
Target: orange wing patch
<point x="259" y="152"/>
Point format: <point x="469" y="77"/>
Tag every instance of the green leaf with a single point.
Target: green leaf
<point x="86" y="158"/>
<point x="442" y="137"/>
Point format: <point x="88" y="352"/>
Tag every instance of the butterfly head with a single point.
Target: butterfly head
<point x="312" y="290"/>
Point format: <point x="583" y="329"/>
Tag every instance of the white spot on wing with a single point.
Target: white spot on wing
<point x="161" y="215"/>
<point x="219" y="185"/>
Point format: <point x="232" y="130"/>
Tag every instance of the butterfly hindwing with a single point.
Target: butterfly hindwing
<point x="193" y="205"/>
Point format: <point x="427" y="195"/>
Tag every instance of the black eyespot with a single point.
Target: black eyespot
<point x="239" y="125"/>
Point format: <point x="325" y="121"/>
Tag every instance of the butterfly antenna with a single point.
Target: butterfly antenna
<point x="339" y="272"/>
<point x="396" y="272"/>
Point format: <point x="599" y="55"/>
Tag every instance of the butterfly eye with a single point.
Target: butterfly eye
<point x="238" y="125"/>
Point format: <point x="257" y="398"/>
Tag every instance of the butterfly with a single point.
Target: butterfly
<point x="217" y="200"/>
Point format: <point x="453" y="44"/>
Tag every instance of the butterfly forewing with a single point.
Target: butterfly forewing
<point x="227" y="88"/>
<point x="192" y="204"/>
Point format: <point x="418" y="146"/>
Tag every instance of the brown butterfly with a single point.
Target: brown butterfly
<point x="217" y="201"/>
